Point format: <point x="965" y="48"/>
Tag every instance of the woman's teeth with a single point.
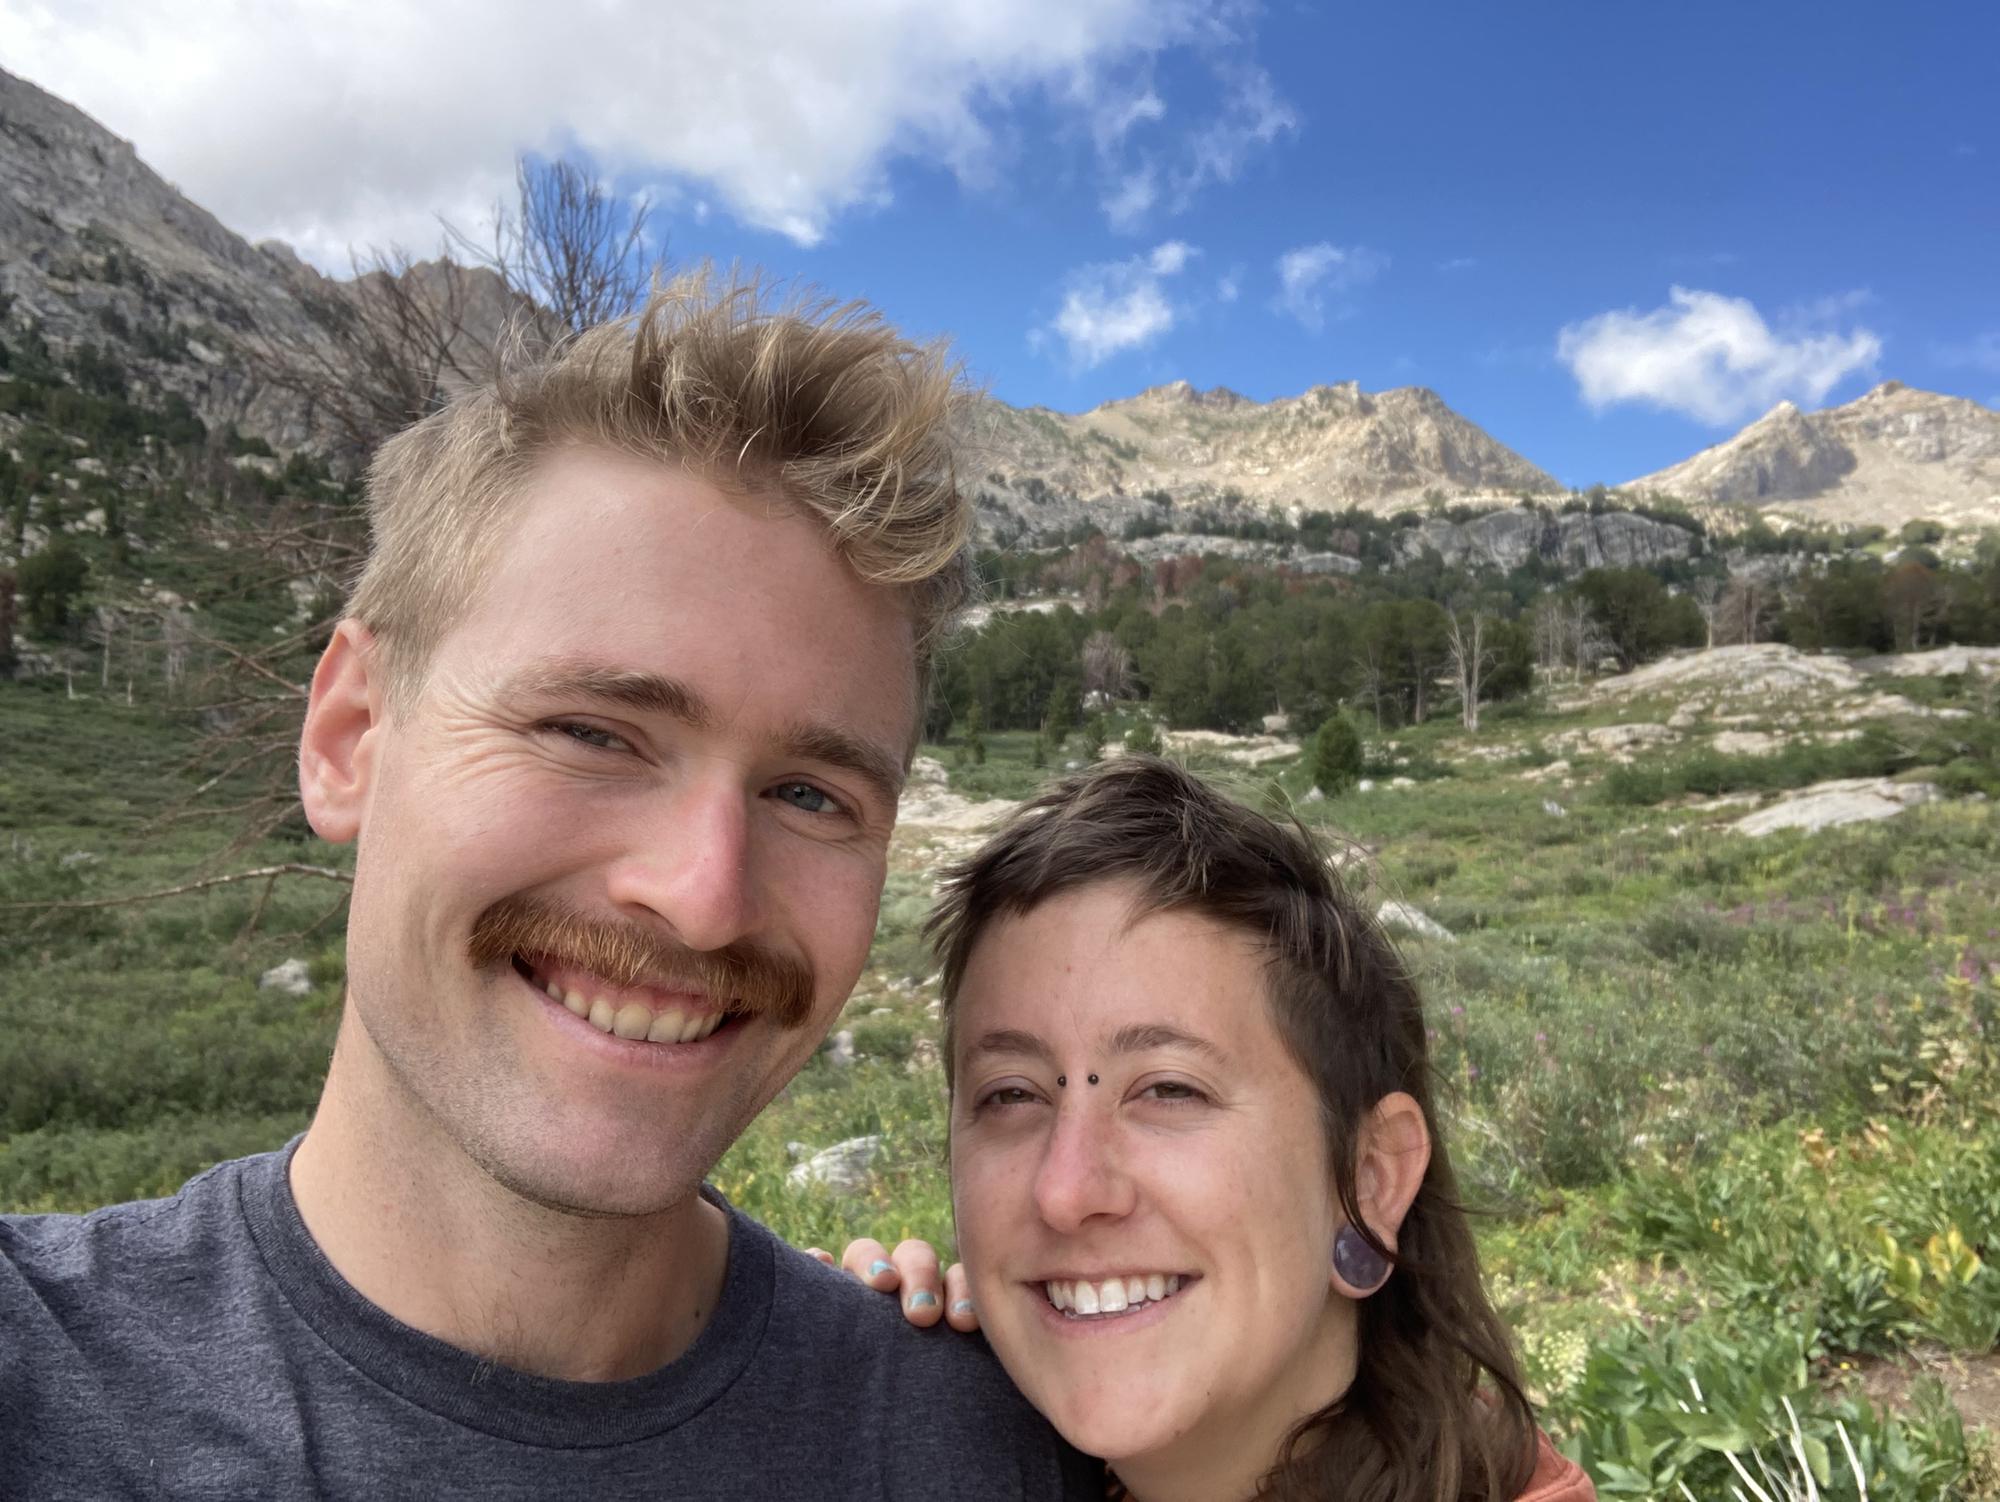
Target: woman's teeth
<point x="1081" y="1299"/>
<point x="634" y="1022"/>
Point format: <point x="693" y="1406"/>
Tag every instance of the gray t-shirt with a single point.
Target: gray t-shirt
<point x="202" y="1346"/>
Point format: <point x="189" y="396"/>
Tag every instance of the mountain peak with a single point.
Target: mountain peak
<point x="1185" y="393"/>
<point x="1888" y="457"/>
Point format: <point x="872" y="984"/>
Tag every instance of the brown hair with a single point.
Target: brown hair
<point x="1436" y="1411"/>
<point x="822" y="401"/>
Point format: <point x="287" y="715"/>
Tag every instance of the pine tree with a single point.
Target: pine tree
<point x="1336" y="756"/>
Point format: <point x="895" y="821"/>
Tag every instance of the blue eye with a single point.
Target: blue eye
<point x="588" y="735"/>
<point x="806" y="797"/>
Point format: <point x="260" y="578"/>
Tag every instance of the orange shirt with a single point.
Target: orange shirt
<point x="1557" y="1478"/>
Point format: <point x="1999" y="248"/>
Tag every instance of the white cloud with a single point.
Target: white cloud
<point x="1131" y="198"/>
<point x="1309" y="274"/>
<point x="358" y="123"/>
<point x="1114" y="306"/>
<point x="1115" y="115"/>
<point x="1145" y="172"/>
<point x="1711" y="357"/>
<point x="1253" y="117"/>
<point x="1229" y="287"/>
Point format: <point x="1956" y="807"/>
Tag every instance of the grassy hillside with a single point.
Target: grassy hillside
<point x="1725" y="1102"/>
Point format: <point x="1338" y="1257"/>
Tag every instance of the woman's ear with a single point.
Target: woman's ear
<point x="338" y="745"/>
<point x="1392" y="1154"/>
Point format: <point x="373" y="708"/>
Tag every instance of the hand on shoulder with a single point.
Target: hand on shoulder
<point x="911" y="1271"/>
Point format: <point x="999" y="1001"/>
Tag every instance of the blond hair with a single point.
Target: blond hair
<point x="822" y="401"/>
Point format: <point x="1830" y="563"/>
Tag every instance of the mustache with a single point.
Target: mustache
<point x="748" y="979"/>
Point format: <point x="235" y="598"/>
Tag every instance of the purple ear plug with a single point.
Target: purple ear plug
<point x="1358" y="1263"/>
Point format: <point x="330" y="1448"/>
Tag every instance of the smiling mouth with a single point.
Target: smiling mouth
<point x="635" y="1014"/>
<point x="1108" y="1298"/>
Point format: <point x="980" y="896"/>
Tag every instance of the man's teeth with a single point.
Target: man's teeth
<point x="1113" y="1295"/>
<point x="633" y="1022"/>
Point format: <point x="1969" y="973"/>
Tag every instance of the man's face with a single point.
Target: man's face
<point x="646" y="788"/>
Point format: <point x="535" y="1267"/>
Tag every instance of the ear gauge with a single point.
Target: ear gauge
<point x="1359" y="1264"/>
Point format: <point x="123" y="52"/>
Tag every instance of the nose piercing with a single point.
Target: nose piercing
<point x="1093" y="1079"/>
<point x="1062" y="1082"/>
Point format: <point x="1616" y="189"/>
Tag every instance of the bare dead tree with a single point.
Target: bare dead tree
<point x="8" y="618"/>
<point x="1707" y="596"/>
<point x="1583" y="635"/>
<point x="570" y="246"/>
<point x="396" y="339"/>
<point x="383" y="348"/>
<point x="1368" y="662"/>
<point x="1107" y="666"/>
<point x="1550" y="634"/>
<point x="1471" y="655"/>
<point x="1746" y="610"/>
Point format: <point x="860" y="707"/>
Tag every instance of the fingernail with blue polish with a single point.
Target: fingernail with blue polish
<point x="878" y="1267"/>
<point x="923" y="1301"/>
<point x="963" y="1306"/>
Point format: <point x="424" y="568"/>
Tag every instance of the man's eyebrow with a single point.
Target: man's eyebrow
<point x="655" y="693"/>
<point x="836" y="748"/>
<point x="1007" y="1040"/>
<point x="1144" y="1035"/>
<point x="649" y="693"/>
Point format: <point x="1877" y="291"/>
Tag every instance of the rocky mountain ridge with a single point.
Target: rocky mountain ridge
<point x="1332" y="447"/>
<point x="1890" y="456"/>
<point x="97" y="250"/>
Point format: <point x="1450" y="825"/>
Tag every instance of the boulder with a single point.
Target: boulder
<point x="1848" y="800"/>
<point x="839" y="1049"/>
<point x="290" y="979"/>
<point x="1623" y="740"/>
<point x="1748" y="743"/>
<point x="1412" y="919"/>
<point x="842" y="1168"/>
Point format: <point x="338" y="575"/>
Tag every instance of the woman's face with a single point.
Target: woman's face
<point x="1150" y="1251"/>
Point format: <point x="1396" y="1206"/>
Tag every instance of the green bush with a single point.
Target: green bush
<point x="1336" y="756"/>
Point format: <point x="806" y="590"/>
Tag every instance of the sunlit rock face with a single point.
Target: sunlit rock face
<point x="1891" y="456"/>
<point x="1507" y="539"/>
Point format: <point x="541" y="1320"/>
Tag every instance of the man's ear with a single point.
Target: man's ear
<point x="338" y="746"/>
<point x="1391" y="1155"/>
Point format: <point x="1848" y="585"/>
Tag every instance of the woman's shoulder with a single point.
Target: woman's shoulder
<point x="1557" y="1478"/>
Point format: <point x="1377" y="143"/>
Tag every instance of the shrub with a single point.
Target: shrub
<point x="1336" y="756"/>
<point x="1144" y="739"/>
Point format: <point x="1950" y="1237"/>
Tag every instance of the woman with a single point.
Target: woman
<point x="1206" y="1218"/>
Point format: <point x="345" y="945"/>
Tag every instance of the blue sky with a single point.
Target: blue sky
<point x="1609" y="234"/>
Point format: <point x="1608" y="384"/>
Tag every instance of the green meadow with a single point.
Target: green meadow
<point x="1724" y="1106"/>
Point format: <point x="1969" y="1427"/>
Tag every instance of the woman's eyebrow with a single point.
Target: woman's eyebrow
<point x="1142" y="1036"/>
<point x="1137" y="1038"/>
<point x="1008" y="1041"/>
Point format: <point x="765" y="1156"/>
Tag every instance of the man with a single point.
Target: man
<point x="617" y="719"/>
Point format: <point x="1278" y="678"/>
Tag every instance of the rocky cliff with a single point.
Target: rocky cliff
<point x="1333" y="447"/>
<point x="1507" y="539"/>
<point x="1890" y="456"/>
<point x="96" y="248"/>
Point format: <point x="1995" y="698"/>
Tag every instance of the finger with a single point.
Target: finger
<point x="959" y="1310"/>
<point x="922" y="1282"/>
<point x="820" y="1254"/>
<point x="869" y="1261"/>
